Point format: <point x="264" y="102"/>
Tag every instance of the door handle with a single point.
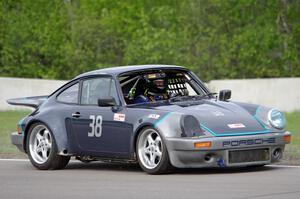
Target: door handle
<point x="76" y="115"/>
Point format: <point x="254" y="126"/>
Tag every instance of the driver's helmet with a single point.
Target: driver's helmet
<point x="157" y="81"/>
<point x="159" y="84"/>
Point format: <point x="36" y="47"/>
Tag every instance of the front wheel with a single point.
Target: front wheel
<point x="42" y="150"/>
<point x="152" y="152"/>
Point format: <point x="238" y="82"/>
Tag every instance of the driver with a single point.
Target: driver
<point x="156" y="90"/>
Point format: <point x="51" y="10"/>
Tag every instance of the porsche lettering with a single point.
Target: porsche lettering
<point x="249" y="142"/>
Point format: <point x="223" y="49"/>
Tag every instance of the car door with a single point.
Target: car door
<point x="99" y="131"/>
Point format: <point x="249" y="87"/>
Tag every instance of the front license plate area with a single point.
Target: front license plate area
<point x="251" y="155"/>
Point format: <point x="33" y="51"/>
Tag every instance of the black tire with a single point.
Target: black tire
<point x="164" y="165"/>
<point x="54" y="161"/>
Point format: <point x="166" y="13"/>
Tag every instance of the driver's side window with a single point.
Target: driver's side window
<point x="97" y="88"/>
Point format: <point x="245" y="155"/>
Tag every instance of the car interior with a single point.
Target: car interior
<point x="179" y="83"/>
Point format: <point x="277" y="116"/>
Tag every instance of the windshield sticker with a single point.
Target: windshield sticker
<point x="236" y="126"/>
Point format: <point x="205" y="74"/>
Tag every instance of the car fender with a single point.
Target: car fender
<point x="151" y="118"/>
<point x="169" y="125"/>
<point x="54" y="123"/>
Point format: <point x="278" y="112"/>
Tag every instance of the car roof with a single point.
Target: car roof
<point x="124" y="69"/>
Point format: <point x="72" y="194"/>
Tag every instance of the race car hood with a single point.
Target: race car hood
<point x="221" y="118"/>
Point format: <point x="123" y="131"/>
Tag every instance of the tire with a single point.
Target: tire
<point x="152" y="152"/>
<point x="42" y="149"/>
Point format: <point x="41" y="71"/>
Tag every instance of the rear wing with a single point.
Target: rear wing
<point x="33" y="102"/>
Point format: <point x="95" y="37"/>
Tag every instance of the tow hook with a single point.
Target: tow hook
<point x="221" y="162"/>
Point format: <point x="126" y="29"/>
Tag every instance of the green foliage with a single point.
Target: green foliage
<point x="216" y="39"/>
<point x="294" y="126"/>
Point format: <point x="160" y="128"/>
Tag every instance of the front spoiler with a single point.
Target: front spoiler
<point x="17" y="139"/>
<point x="183" y="153"/>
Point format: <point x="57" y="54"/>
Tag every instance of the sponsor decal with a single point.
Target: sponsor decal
<point x="218" y="113"/>
<point x="236" y="126"/>
<point x="119" y="117"/>
<point x="248" y="142"/>
<point x="154" y="116"/>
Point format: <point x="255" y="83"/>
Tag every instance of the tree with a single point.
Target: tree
<point x="216" y="39"/>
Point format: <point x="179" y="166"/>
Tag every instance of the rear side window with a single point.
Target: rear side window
<point x="70" y="95"/>
<point x="97" y="88"/>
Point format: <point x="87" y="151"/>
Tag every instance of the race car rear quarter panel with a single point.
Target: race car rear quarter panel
<point x="53" y="116"/>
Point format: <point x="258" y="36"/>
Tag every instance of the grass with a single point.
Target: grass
<point x="8" y="124"/>
<point x="292" y="151"/>
<point x="293" y="125"/>
<point x="9" y="120"/>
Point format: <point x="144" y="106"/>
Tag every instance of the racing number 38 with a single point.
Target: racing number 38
<point x="96" y="126"/>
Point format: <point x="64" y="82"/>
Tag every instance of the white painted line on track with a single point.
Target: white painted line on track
<point x="15" y="160"/>
<point x="24" y="160"/>
<point x="285" y="166"/>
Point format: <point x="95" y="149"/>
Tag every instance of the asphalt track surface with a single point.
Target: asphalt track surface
<point x="18" y="179"/>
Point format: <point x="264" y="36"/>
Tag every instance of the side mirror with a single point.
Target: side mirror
<point x="107" y="102"/>
<point x="224" y="95"/>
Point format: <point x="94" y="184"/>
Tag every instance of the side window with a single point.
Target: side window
<point x="190" y="90"/>
<point x="70" y="95"/>
<point x="97" y="88"/>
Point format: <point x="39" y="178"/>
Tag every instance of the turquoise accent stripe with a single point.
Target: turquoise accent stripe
<point x="233" y="134"/>
<point x="162" y="119"/>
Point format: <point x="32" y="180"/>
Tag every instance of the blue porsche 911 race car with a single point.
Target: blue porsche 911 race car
<point x="157" y="115"/>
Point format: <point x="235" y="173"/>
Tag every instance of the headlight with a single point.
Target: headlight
<point x="190" y="126"/>
<point x="277" y="118"/>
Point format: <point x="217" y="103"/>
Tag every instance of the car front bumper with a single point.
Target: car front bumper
<point x="17" y="139"/>
<point x="227" y="151"/>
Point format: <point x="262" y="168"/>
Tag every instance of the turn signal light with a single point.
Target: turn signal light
<point x="287" y="138"/>
<point x="19" y="130"/>
<point x="200" y="145"/>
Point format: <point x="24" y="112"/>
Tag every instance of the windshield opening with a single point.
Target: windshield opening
<point x="159" y="85"/>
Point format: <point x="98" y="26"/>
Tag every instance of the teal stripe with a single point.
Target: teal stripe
<point x="233" y="134"/>
<point x="162" y="119"/>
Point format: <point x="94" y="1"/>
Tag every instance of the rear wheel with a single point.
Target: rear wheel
<point x="152" y="152"/>
<point x="42" y="150"/>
